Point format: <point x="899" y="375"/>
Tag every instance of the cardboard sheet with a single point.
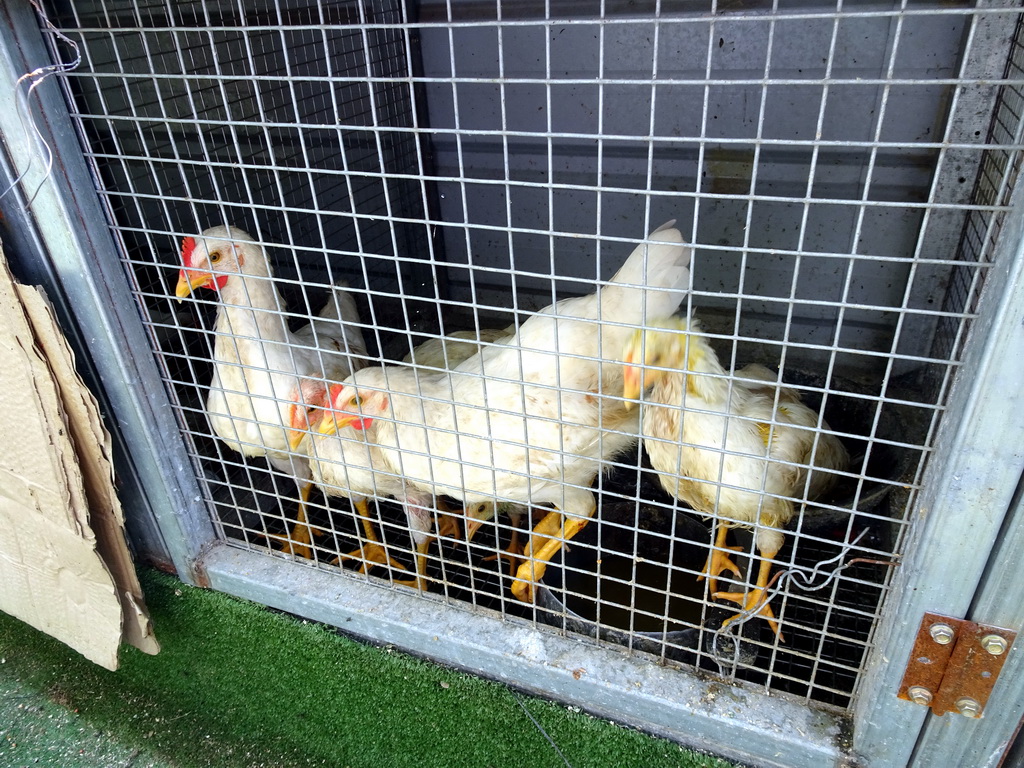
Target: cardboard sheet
<point x="64" y="562"/>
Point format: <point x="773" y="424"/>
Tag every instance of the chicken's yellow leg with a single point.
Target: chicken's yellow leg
<point x="719" y="560"/>
<point x="755" y="599"/>
<point x="448" y="525"/>
<point x="371" y="552"/>
<point x="542" y="547"/>
<point x="421" y="564"/>
<point x="510" y="553"/>
<point x="301" y="536"/>
<point x="485" y="511"/>
<point x="549" y="526"/>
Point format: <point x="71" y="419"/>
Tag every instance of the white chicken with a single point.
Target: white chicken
<point x="726" y="447"/>
<point x="344" y="463"/>
<point x="448" y="351"/>
<point x="258" y="361"/>
<point x="531" y="421"/>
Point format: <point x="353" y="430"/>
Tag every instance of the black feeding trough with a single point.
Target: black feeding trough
<point x="632" y="577"/>
<point x="870" y="430"/>
<point x="633" y="580"/>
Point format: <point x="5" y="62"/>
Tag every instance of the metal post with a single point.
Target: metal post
<point x="69" y="229"/>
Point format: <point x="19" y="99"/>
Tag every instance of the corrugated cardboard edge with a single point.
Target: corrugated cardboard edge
<point x="94" y="448"/>
<point x="54" y="466"/>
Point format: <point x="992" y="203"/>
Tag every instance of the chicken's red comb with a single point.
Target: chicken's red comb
<point x="187" y="246"/>
<point x="334" y="390"/>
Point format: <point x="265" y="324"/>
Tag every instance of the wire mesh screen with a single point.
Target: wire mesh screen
<point x="839" y="171"/>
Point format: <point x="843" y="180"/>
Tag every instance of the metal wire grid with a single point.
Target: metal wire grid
<point x="462" y="188"/>
<point x="996" y="181"/>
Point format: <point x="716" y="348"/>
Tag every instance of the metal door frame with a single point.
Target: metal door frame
<point x="954" y="740"/>
<point x="70" y="250"/>
<point x="964" y="507"/>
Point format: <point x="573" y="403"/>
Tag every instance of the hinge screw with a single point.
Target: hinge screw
<point x="994" y="644"/>
<point x="941" y="633"/>
<point x="919" y="695"/>
<point x="968" y="707"/>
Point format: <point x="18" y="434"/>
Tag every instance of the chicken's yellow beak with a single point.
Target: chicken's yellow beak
<point x="472" y="526"/>
<point x="333" y="421"/>
<point x="188" y="281"/>
<point x="295" y="438"/>
<point x="630" y="385"/>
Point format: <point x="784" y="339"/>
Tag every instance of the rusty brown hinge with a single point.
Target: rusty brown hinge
<point x="954" y="664"/>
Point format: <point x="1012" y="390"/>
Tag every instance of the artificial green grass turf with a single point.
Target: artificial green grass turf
<point x="238" y="685"/>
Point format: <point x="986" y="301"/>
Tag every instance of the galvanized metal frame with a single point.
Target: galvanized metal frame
<point x="964" y="507"/>
<point x="955" y="740"/>
<point x="767" y="730"/>
<point x="66" y="226"/>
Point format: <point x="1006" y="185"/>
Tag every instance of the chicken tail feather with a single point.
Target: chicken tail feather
<point x="340" y="305"/>
<point x="653" y="280"/>
<point x="340" y="309"/>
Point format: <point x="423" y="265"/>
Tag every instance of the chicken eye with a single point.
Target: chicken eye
<point x="357" y="401"/>
<point x="215" y="257"/>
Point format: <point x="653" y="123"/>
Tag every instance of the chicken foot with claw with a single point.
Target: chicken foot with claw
<point x="549" y="535"/>
<point x="372" y="551"/>
<point x="445" y="524"/>
<point x="755" y="600"/>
